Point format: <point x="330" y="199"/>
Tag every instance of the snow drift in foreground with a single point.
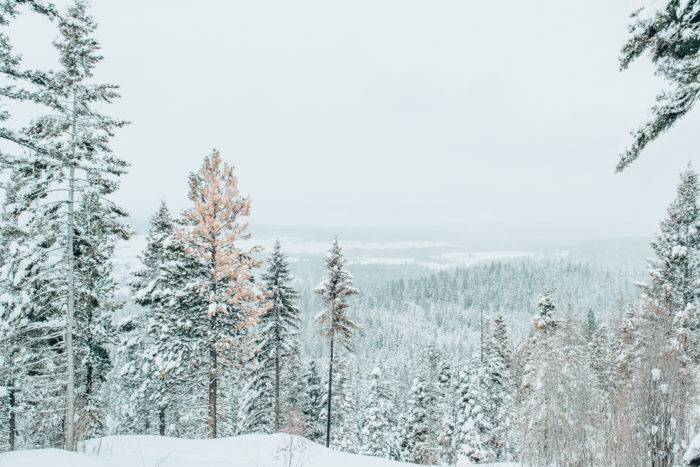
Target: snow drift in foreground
<point x="156" y="451"/>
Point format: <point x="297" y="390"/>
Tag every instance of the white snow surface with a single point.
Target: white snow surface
<point x="157" y="451"/>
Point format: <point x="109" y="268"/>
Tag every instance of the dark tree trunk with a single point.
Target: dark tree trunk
<point x="88" y="380"/>
<point x="213" y="368"/>
<point x="330" y="394"/>
<point x="89" y="369"/>
<point x="277" y="382"/>
<point x="161" y="421"/>
<point x="13" y="417"/>
<point x="213" y="380"/>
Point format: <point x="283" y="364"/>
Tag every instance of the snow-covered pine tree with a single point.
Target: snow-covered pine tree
<point x="654" y="392"/>
<point x="461" y="393"/>
<point x="686" y="326"/>
<point x="30" y="328"/>
<point x="475" y="422"/>
<point x="312" y="402"/>
<point x="335" y="290"/>
<point x="626" y="346"/>
<point x="654" y="379"/>
<point x="95" y="305"/>
<point x="27" y="85"/>
<point x="534" y="399"/>
<point x="295" y="386"/>
<point x="559" y="399"/>
<point x="14" y="313"/>
<point x="343" y="430"/>
<point x="500" y="390"/>
<point x="543" y="319"/>
<point x="657" y="347"/>
<point x="447" y="383"/>
<point x="348" y="426"/>
<point x="18" y="286"/>
<point x="601" y="356"/>
<point x="130" y="410"/>
<point x="667" y="30"/>
<point x="224" y="301"/>
<point x="277" y="334"/>
<point x="675" y="269"/>
<point x="378" y="430"/>
<point x="420" y="441"/>
<point x="158" y="335"/>
<point x="73" y="159"/>
<point x="257" y="400"/>
<point x="591" y="324"/>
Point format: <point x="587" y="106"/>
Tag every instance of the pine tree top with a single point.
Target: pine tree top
<point x="161" y="221"/>
<point x="335" y="289"/>
<point x="671" y="284"/>
<point x="544" y="316"/>
<point x="77" y="48"/>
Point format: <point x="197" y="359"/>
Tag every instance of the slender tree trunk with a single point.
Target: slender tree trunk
<point x="161" y="421"/>
<point x="89" y="368"/>
<point x="13" y="416"/>
<point x="481" y="337"/>
<point x="277" y="382"/>
<point x="213" y="368"/>
<point x="330" y="393"/>
<point x="213" y="381"/>
<point x="70" y="308"/>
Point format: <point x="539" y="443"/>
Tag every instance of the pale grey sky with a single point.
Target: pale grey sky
<point x="389" y="112"/>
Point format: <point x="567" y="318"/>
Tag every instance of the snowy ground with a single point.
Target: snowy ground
<point x="156" y="451"/>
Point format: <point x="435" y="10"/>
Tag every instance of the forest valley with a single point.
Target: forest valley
<point x="210" y="341"/>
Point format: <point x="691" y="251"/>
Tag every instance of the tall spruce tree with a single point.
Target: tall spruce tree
<point x="31" y="360"/>
<point x="157" y="334"/>
<point x="476" y="423"/>
<point x="278" y="327"/>
<point x="378" y="432"/>
<point x="447" y="390"/>
<point x="534" y="397"/>
<point x="500" y="390"/>
<point x="675" y="269"/>
<point x="96" y="304"/>
<point x="335" y="290"/>
<point x="420" y="441"/>
<point x="668" y="31"/>
<point x="73" y="159"/>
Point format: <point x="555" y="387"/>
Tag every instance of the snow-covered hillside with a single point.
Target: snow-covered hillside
<point x="156" y="451"/>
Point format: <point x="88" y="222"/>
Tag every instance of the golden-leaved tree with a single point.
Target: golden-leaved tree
<point x="220" y="291"/>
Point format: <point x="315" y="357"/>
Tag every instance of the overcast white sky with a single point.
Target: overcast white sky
<point x="389" y="112"/>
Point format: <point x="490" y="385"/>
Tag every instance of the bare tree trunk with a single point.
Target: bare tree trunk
<point x="213" y="381"/>
<point x="13" y="416"/>
<point x="277" y="382"/>
<point x="70" y="307"/>
<point x="213" y="368"/>
<point x="481" y="337"/>
<point x="330" y="393"/>
<point x="161" y="421"/>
